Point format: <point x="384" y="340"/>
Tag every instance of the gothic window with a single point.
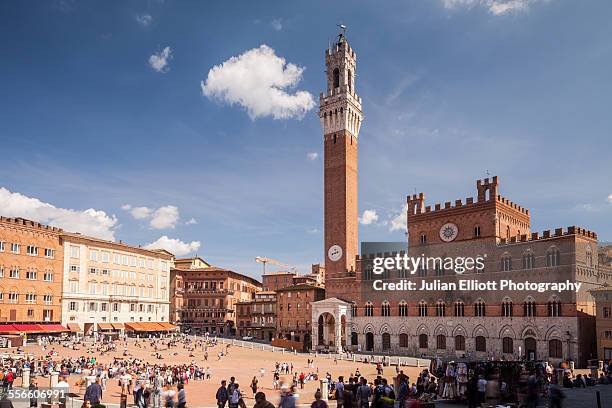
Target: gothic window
<point x="528" y="260"/>
<point x="385" y="309"/>
<point x="507" y="308"/>
<point x="354" y="339"/>
<point x="422" y="272"/>
<point x="423" y="239"/>
<point x="423" y="341"/>
<point x="477" y="231"/>
<point x="478" y="268"/>
<point x="336" y="78"/>
<point x="440" y="309"/>
<point x="555" y="348"/>
<point x="554" y="308"/>
<point x="386" y="341"/>
<point x="506" y="263"/>
<point x="507" y="345"/>
<point x="479" y="308"/>
<point x="459" y="343"/>
<point x="354" y="310"/>
<point x="529" y="308"/>
<point x="369" y="309"/>
<point x="439" y="270"/>
<point x="441" y="342"/>
<point x="422" y="309"/>
<point x="508" y="233"/>
<point x="367" y="274"/>
<point x="553" y="257"/>
<point x="459" y="308"/>
<point x="403" y="340"/>
<point x="481" y="343"/>
<point x="403" y="308"/>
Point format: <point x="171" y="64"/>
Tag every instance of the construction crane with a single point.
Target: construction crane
<point x="264" y="261"/>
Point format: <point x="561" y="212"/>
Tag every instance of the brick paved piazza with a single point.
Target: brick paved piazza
<point x="242" y="363"/>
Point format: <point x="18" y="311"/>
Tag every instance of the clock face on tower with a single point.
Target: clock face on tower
<point x="448" y="232"/>
<point x="334" y="253"/>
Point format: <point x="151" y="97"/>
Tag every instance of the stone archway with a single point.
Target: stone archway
<point x="327" y="330"/>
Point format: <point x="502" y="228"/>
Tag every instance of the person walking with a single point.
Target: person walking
<point x="222" y="395"/>
<point x="181" y="396"/>
<point x="363" y="394"/>
<point x="254" y="385"/>
<point x="93" y="393"/>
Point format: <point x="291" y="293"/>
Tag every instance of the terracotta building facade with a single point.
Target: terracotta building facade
<point x="31" y="265"/>
<point x="294" y="309"/>
<point x="209" y="296"/>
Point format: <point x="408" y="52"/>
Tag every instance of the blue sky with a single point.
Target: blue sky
<point x="450" y="89"/>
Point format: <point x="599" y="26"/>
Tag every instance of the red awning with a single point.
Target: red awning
<point x="8" y="328"/>
<point x="28" y="328"/>
<point x="53" y="328"/>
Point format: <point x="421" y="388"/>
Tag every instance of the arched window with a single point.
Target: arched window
<point x="422" y="271"/>
<point x="386" y="341"/>
<point x="423" y="341"/>
<point x="528" y="260"/>
<point x="479" y="308"/>
<point x="354" y="310"/>
<point x="403" y="340"/>
<point x="459" y="343"/>
<point x="385" y="309"/>
<point x="553" y="257"/>
<point x="555" y="348"/>
<point x="403" y="308"/>
<point x="508" y="233"/>
<point x="459" y="308"/>
<point x="554" y="308"/>
<point x="422" y="308"/>
<point x="441" y="342"/>
<point x="350" y="81"/>
<point x="589" y="256"/>
<point x="481" y="343"/>
<point x="529" y="307"/>
<point x="336" y="78"/>
<point x="367" y="273"/>
<point x="508" y="345"/>
<point x="354" y="339"/>
<point x="507" y="308"/>
<point x="506" y="263"/>
<point x="423" y="238"/>
<point x="476" y="231"/>
<point x="440" y="309"/>
<point x="369" y="309"/>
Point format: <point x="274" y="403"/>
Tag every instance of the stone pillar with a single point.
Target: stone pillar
<point x="25" y="378"/>
<point x="324" y="389"/>
<point x="338" y="334"/>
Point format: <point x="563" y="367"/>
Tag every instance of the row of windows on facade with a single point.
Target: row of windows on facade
<point x="188" y="314"/>
<point x="259" y="320"/>
<point x="480" y="310"/>
<point x="119" y="259"/>
<point x="213" y="285"/>
<point x="116" y="318"/>
<point x="31" y="298"/>
<point x="73" y="306"/>
<point x="555" y="346"/>
<point x="95" y="288"/>
<point x="31" y="250"/>
<point x="298" y="306"/>
<point x="47" y="314"/>
<point x="116" y="273"/>
<point x="15" y="273"/>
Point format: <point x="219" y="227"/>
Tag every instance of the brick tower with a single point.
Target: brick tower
<point x="340" y="113"/>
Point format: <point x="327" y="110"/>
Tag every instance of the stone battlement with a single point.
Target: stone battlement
<point x="29" y="223"/>
<point x="548" y="234"/>
<point x="487" y="192"/>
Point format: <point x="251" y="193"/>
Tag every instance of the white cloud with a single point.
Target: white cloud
<point x="91" y="222"/>
<point x="313" y="230"/>
<point x="495" y="7"/>
<point x="258" y="80"/>
<point x="176" y="246"/>
<point x="192" y="221"/>
<point x="277" y="24"/>
<point x="159" y="61"/>
<point x="160" y="218"/>
<point x="313" y="156"/>
<point x="610" y="198"/>
<point x="165" y="217"/>
<point x="140" y="213"/>
<point x="368" y="217"/>
<point x="398" y="222"/>
<point x="144" y="19"/>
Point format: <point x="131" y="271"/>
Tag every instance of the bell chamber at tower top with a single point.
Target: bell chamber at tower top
<point x="340" y="106"/>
